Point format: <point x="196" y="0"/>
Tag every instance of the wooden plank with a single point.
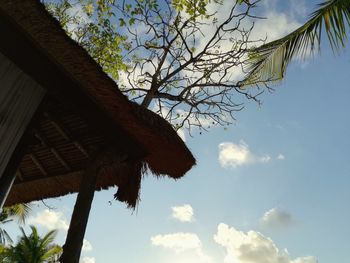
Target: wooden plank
<point x="7" y="179"/>
<point x="38" y="164"/>
<point x="49" y="176"/>
<point x="53" y="150"/>
<point x="20" y="96"/>
<point x="60" y="158"/>
<point x="19" y="174"/>
<point x="66" y="134"/>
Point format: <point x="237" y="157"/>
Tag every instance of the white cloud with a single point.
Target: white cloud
<point x="275" y="219"/>
<point x="50" y="220"/>
<point x="280" y="157"/>
<point x="178" y="242"/>
<point x="308" y="259"/>
<point x="181" y="133"/>
<point x="265" y="158"/>
<point x="269" y="4"/>
<point x="181" y="242"/>
<point x="234" y="155"/>
<point x="275" y="26"/>
<point x="86" y="245"/>
<point x="87" y="260"/>
<point x="80" y="19"/>
<point x="252" y="247"/>
<point x="277" y="23"/>
<point x="298" y="8"/>
<point x="183" y="213"/>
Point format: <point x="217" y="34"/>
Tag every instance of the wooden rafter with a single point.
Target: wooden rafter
<point x="19" y="174"/>
<point x="58" y="156"/>
<point x="38" y="164"/>
<point x="65" y="134"/>
<point x="81" y="148"/>
<point x="49" y="176"/>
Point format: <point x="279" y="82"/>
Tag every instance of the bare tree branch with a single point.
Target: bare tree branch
<point x="187" y="67"/>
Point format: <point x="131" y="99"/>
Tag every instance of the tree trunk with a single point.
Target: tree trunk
<point x="78" y="223"/>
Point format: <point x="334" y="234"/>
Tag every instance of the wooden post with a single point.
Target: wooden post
<point x="6" y="183"/>
<point x="78" y="223"/>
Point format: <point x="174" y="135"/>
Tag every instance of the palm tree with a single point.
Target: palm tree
<point x="8" y="214"/>
<point x="32" y="249"/>
<point x="4" y="236"/>
<point x="269" y="61"/>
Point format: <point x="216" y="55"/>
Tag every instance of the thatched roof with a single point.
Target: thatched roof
<point x="83" y="111"/>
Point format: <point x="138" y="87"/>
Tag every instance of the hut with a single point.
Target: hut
<point x="66" y="128"/>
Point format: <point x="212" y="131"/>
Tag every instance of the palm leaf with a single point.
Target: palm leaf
<point x="5" y="237"/>
<point x="19" y="211"/>
<point x="269" y="62"/>
<point x="52" y="253"/>
<point x="32" y="248"/>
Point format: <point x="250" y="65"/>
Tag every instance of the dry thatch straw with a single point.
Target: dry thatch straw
<point x="82" y="113"/>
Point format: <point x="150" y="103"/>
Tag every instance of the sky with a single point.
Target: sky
<point x="272" y="188"/>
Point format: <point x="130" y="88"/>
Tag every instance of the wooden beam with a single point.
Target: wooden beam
<point x="81" y="149"/>
<point x="38" y="164"/>
<point x="66" y="135"/>
<point x="51" y="175"/>
<point x="58" y="156"/>
<point x="5" y="187"/>
<point x="19" y="175"/>
<point x="58" y="128"/>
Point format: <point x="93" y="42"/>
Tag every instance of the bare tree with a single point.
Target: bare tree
<point x="184" y="65"/>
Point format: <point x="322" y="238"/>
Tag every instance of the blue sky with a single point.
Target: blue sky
<point x="277" y="180"/>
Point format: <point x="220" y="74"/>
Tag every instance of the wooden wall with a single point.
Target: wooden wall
<point x="19" y="97"/>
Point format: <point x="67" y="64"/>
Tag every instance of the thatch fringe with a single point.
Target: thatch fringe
<point x="129" y="188"/>
<point x="128" y="172"/>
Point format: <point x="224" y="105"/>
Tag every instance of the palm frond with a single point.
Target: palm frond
<point x="19" y="211"/>
<point x="52" y="253"/>
<point x="5" y="237"/>
<point x="32" y="248"/>
<point x="268" y="63"/>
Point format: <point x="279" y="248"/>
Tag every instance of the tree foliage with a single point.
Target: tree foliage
<point x="269" y="61"/>
<point x="180" y="58"/>
<point x="19" y="212"/>
<point x="32" y="249"/>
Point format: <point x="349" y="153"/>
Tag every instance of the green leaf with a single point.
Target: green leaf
<point x="122" y="22"/>
<point x="268" y="63"/>
<point x="132" y="21"/>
